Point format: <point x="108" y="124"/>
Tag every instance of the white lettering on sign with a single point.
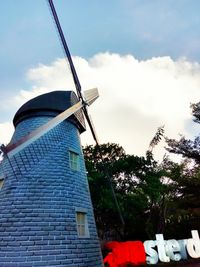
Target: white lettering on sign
<point x="193" y="245"/>
<point x="175" y="250"/>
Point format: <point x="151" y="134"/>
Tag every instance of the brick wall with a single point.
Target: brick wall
<point x="38" y="202"/>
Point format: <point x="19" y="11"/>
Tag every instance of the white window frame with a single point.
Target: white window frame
<point x="82" y="225"/>
<point x="74" y="160"/>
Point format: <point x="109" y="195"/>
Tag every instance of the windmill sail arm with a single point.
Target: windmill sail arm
<point x="89" y="120"/>
<point x="74" y="74"/>
<point x="12" y="149"/>
<point x="66" y="49"/>
<point x="90" y="97"/>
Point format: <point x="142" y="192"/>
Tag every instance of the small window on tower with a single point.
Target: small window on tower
<point x="1" y="182"/>
<point x="82" y="224"/>
<point x="74" y="161"/>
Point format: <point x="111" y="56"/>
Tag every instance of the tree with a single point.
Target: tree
<point x="154" y="198"/>
<point x="100" y="161"/>
<point x="137" y="185"/>
<point x="187" y="148"/>
<point x="187" y="213"/>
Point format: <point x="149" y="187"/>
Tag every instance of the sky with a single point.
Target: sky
<point x="142" y="55"/>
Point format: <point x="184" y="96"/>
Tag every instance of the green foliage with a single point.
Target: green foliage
<point x="157" y="138"/>
<point x="196" y="111"/>
<point x="189" y="149"/>
<point x="186" y="180"/>
<point x="137" y="185"/>
<point x="154" y="198"/>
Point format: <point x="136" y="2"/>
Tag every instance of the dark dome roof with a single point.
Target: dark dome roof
<point x="56" y="101"/>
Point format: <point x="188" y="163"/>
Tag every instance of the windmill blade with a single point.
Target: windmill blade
<point x="91" y="95"/>
<point x="71" y="64"/>
<point x="90" y="123"/>
<point x="12" y="149"/>
<point x="66" y="49"/>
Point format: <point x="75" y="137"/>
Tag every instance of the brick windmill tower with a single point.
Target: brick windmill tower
<point x="46" y="215"/>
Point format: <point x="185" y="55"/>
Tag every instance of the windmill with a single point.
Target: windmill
<point x="46" y="215"/>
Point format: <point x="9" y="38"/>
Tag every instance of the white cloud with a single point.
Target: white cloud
<point x="136" y="96"/>
<point x="6" y="130"/>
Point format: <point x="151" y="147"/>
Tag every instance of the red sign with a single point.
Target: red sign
<point x="151" y="251"/>
<point x="123" y="253"/>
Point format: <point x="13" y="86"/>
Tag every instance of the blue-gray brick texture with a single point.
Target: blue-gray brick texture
<point x="39" y="198"/>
